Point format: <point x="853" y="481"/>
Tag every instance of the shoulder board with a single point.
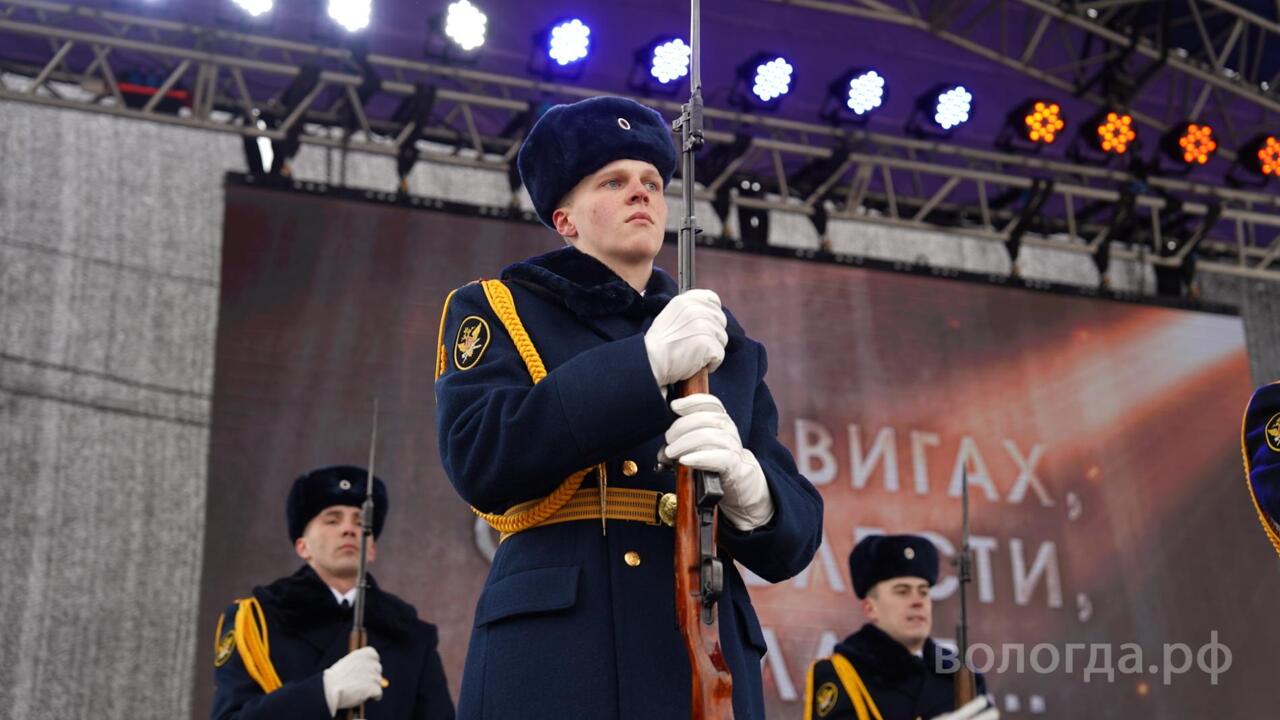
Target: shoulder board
<point x="442" y="354"/>
<point x="822" y="692"/>
<point x="224" y="643"/>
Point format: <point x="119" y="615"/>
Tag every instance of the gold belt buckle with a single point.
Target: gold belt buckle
<point x="667" y="509"/>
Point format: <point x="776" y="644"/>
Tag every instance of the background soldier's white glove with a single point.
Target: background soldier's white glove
<point x="979" y="708"/>
<point x="688" y="335"/>
<point x="355" y="678"/>
<point x="704" y="437"/>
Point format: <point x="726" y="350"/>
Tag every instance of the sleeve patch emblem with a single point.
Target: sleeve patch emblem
<point x="826" y="698"/>
<point x="473" y="338"/>
<point x="1273" y="433"/>
<point x="226" y="648"/>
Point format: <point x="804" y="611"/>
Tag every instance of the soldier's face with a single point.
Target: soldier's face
<point x="331" y="543"/>
<point x="902" y="608"/>
<point x="617" y="214"/>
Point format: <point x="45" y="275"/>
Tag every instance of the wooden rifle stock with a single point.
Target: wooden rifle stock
<point x="695" y="527"/>
<point x="966" y="687"/>
<point x="356" y="640"/>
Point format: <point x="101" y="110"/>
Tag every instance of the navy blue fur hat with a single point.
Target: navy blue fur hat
<point x="881" y="557"/>
<point x="569" y="142"/>
<point x="329" y="486"/>
<point x="1260" y="441"/>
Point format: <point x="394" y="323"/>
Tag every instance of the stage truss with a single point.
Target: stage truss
<point x="1187" y="55"/>
<point x="73" y="57"/>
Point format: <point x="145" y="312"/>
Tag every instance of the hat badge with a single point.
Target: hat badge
<point x="909" y="553"/>
<point x="622" y="123"/>
<point x="344" y="484"/>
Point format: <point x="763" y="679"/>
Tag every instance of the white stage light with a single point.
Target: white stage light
<point x="569" y="42"/>
<point x="352" y="15"/>
<point x="866" y="92"/>
<point x="772" y="80"/>
<point x="952" y="108"/>
<point x="255" y="8"/>
<point x="670" y="61"/>
<point x="465" y="25"/>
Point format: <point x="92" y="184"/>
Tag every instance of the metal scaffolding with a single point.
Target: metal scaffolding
<point x="1181" y="56"/>
<point x="296" y="93"/>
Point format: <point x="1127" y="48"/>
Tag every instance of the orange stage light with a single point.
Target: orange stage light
<point x="1260" y="156"/>
<point x="1269" y="156"/>
<point x="1043" y="122"/>
<point x="1197" y="144"/>
<point x="1116" y="133"/>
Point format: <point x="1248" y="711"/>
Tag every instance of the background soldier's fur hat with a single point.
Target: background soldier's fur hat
<point x="329" y="486"/>
<point x="880" y="557"/>
<point x="569" y="142"/>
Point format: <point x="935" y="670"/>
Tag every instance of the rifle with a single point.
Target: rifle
<point x="966" y="688"/>
<point x="359" y="637"/>
<point x="699" y="573"/>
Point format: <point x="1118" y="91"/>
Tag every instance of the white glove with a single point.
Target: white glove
<point x="979" y="708"/>
<point x="704" y="437"/>
<point x="355" y="678"/>
<point x="688" y="335"/>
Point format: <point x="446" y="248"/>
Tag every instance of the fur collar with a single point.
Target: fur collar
<point x="873" y="649"/>
<point x="588" y="287"/>
<point x="302" y="601"/>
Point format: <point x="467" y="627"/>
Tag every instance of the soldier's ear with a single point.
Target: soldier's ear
<point x="869" y="608"/>
<point x="564" y="224"/>
<point x="300" y="547"/>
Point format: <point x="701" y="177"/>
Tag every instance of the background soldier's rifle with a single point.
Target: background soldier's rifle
<point x="699" y="573"/>
<point x="966" y="688"/>
<point x="359" y="637"/>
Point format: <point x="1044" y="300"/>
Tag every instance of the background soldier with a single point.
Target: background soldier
<point x="1260" y="440"/>
<point x="891" y="668"/>
<point x="282" y="651"/>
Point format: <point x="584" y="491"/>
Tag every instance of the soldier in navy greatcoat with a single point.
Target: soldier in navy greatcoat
<point x="1260" y="441"/>
<point x="564" y="367"/>
<point x="891" y="664"/>
<point x="282" y="652"/>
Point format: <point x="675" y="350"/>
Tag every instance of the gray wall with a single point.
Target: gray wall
<point x="109" y="254"/>
<point x="1259" y="303"/>
<point x="110" y="235"/>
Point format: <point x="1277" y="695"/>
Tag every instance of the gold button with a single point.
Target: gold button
<point x="629" y="468"/>
<point x="632" y="557"/>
